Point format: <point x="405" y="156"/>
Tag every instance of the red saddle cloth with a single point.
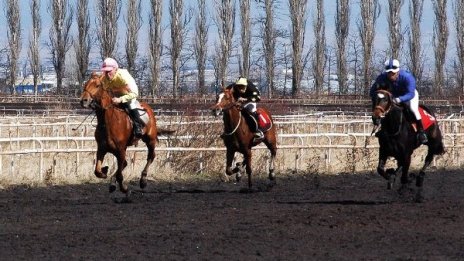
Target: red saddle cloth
<point x="427" y="119"/>
<point x="264" y="122"/>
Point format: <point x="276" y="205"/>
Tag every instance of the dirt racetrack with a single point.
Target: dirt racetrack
<point x="303" y="217"/>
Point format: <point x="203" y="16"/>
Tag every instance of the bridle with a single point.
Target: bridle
<point x="96" y="105"/>
<point x="386" y="110"/>
<point x="227" y="108"/>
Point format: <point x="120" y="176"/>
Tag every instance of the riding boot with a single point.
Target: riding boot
<point x="421" y="136"/>
<point x="258" y="133"/>
<point x="138" y="123"/>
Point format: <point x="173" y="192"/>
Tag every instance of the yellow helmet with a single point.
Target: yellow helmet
<point x="241" y="84"/>
<point x="241" y="81"/>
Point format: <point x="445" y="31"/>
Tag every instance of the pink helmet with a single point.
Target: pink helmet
<point x="109" y="64"/>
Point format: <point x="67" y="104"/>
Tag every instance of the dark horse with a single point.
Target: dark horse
<point x="114" y="131"/>
<point x="238" y="137"/>
<point x="398" y="139"/>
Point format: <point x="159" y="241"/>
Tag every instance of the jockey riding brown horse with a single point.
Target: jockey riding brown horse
<point x="238" y="137"/>
<point x="114" y="132"/>
<point x="398" y="139"/>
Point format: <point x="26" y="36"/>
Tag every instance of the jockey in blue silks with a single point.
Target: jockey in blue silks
<point x="402" y="86"/>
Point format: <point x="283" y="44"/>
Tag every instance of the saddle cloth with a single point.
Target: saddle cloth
<point x="264" y="121"/>
<point x="427" y="119"/>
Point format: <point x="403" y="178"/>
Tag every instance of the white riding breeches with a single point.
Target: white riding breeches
<point x="414" y="105"/>
<point x="132" y="104"/>
<point x="251" y="107"/>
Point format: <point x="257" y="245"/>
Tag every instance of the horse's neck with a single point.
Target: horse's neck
<point x="394" y="120"/>
<point x="106" y="115"/>
<point x="232" y="118"/>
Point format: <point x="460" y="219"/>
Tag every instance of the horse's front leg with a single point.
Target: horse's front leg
<point x="381" y="167"/>
<point x="122" y="163"/>
<point x="229" y="159"/>
<point x="101" y="172"/>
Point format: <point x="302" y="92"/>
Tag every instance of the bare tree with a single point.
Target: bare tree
<point x="319" y="59"/>
<point x="200" y="45"/>
<point x="225" y="20"/>
<point x="245" y="33"/>
<point x="415" y="50"/>
<point x="34" y="54"/>
<point x="394" y="22"/>
<point x="355" y="61"/>
<point x="133" y="25"/>
<point x="342" y="22"/>
<point x="107" y="20"/>
<point x="370" y="11"/>
<point x="298" y="17"/>
<point x="155" y="43"/>
<point x="178" y="37"/>
<point x="14" y="40"/>
<point x="269" y="44"/>
<point x="60" y="38"/>
<point x="83" y="43"/>
<point x="459" y="26"/>
<point x="440" y="43"/>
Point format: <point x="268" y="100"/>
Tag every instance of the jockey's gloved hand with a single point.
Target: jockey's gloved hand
<point x="241" y="99"/>
<point x="375" y="121"/>
<point x="396" y="100"/>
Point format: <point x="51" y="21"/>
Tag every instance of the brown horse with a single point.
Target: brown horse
<point x="398" y="139"/>
<point x="238" y="137"/>
<point x="114" y="131"/>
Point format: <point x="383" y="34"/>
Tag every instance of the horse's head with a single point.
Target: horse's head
<point x="224" y="102"/>
<point x="91" y="94"/>
<point x="383" y="102"/>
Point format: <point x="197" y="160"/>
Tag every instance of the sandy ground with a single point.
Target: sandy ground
<point x="303" y="217"/>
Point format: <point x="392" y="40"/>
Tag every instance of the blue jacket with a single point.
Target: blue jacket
<point x="404" y="87"/>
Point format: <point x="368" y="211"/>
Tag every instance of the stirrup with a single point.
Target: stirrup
<point x="138" y="132"/>
<point x="259" y="135"/>
<point x="422" y="137"/>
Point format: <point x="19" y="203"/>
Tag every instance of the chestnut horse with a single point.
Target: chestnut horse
<point x="114" y="131"/>
<point x="238" y="137"/>
<point x="398" y="139"/>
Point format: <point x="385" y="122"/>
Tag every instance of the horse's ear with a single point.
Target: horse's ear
<point x="94" y="75"/>
<point x="383" y="86"/>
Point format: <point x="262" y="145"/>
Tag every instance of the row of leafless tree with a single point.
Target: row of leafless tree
<point x="352" y="54"/>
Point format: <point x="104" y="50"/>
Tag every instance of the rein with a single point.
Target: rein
<point x="239" y="118"/>
<point x="98" y="105"/>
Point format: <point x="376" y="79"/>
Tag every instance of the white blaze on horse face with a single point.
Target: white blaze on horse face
<point x="221" y="96"/>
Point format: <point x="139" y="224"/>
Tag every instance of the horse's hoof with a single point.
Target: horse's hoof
<point x="238" y="177"/>
<point x="100" y="175"/>
<point x="112" y="188"/>
<point x="143" y="183"/>
<point x="271" y="175"/>
<point x="389" y="185"/>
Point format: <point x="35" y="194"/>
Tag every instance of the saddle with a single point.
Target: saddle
<point x="264" y="121"/>
<point x="427" y="118"/>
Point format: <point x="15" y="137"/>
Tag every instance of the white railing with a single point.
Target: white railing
<point x="293" y="146"/>
<point x="327" y="142"/>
